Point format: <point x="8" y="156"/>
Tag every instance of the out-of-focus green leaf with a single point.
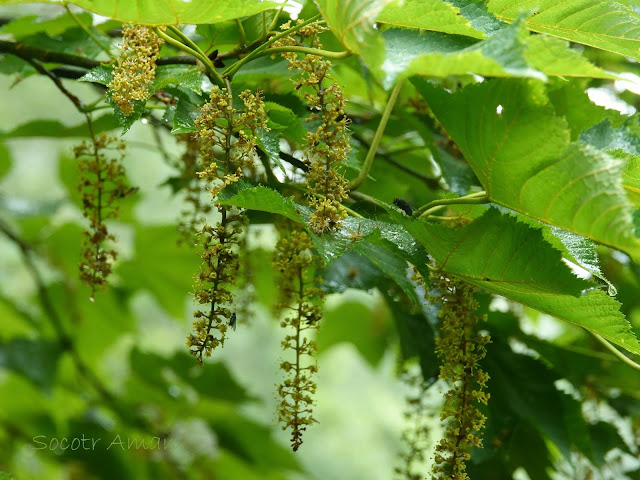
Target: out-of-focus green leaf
<point x="35" y="359"/>
<point x="417" y="337"/>
<point x="31" y="24"/>
<point x="525" y="386"/>
<point x="366" y="326"/>
<point x="521" y="154"/>
<point x="435" y="15"/>
<point x="214" y="381"/>
<point x="352" y="22"/>
<point x="161" y="266"/>
<point x="168" y="12"/>
<point x="5" y="160"/>
<point x="55" y="129"/>
<point x="609" y="26"/>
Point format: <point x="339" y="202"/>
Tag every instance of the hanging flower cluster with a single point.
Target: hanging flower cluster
<point x="102" y="185"/>
<point x="460" y="350"/>
<point x="300" y="296"/>
<point x="136" y="67"/>
<point x="415" y="437"/>
<point x="226" y="136"/>
<point x="189" y="165"/>
<point x="328" y="145"/>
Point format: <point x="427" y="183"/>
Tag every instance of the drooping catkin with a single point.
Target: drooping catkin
<point x="135" y="69"/>
<point x="227" y="140"/>
<point x="460" y="349"/>
<point x="102" y="185"/>
<point x="300" y="297"/>
<point x="328" y="145"/>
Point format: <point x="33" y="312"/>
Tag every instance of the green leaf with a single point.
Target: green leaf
<point x="269" y="141"/>
<point x="162" y="267"/>
<point x="35" y="359"/>
<point x="554" y="57"/>
<point x="435" y="15"/>
<point x="582" y="252"/>
<point x="259" y="198"/>
<point x="368" y="327"/>
<point x="609" y="26"/>
<point x="101" y="74"/>
<point x="621" y="143"/>
<point x="503" y="256"/>
<point x="352" y="22"/>
<point x="521" y="153"/>
<point x="526" y="387"/>
<point x="183" y="115"/>
<point x="435" y="54"/>
<point x="168" y="12"/>
<point x="5" y="160"/>
<point x="53" y="128"/>
<point x="476" y="12"/>
<point x="190" y="78"/>
<point x="31" y="24"/>
<point x="389" y="262"/>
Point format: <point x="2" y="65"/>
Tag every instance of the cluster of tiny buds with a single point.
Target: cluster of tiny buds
<point x="135" y="69"/>
<point x="416" y="435"/>
<point x="327" y="147"/>
<point x="222" y="128"/>
<point x="214" y="283"/>
<point x="198" y="207"/>
<point x="102" y="185"/>
<point x="460" y="350"/>
<point x="300" y="295"/>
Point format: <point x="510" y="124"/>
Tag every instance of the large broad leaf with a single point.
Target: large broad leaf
<point x="167" y="12"/>
<point x="609" y="26"/>
<point x="352" y="22"/>
<point x="503" y="256"/>
<point x="521" y="153"/>
<point x="436" y="54"/>
<point x="435" y="15"/>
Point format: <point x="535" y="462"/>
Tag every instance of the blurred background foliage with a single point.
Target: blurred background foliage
<point x="117" y="370"/>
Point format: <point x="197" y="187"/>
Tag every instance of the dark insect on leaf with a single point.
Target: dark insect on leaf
<point x="232" y="321"/>
<point x="403" y="205"/>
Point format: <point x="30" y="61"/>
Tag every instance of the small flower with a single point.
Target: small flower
<point x="136" y="67"/>
<point x="299" y="294"/>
